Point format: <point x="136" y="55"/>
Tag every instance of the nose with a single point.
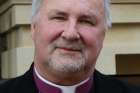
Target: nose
<point x="71" y="32"/>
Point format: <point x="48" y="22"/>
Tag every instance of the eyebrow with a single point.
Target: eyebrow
<point x="90" y="15"/>
<point x="58" y="12"/>
<point x="87" y="16"/>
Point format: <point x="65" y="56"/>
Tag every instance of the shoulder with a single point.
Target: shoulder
<point x="21" y="84"/>
<point x="8" y="85"/>
<point x="111" y="84"/>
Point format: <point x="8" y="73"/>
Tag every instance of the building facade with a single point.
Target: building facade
<point x="120" y="55"/>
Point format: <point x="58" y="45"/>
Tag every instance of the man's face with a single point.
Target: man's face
<point x="68" y="35"/>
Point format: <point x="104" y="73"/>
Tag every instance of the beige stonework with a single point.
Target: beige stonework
<point x="19" y="37"/>
<point x="125" y="13"/>
<point x="16" y="61"/>
<point x="15" y="15"/>
<point x="121" y="39"/>
<point x="125" y="1"/>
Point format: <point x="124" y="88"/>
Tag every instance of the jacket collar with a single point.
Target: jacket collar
<point x="45" y="85"/>
<point x="102" y="83"/>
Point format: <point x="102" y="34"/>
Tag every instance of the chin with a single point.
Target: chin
<point x="67" y="65"/>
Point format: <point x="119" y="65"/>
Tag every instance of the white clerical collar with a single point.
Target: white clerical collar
<point x="64" y="89"/>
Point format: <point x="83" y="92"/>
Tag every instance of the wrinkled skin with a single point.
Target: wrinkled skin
<point x="68" y="36"/>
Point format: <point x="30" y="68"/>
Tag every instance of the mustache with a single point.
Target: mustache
<point x="77" y="45"/>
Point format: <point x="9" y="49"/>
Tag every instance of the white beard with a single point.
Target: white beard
<point x="66" y="63"/>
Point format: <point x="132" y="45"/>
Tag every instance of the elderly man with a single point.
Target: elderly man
<point x="68" y="37"/>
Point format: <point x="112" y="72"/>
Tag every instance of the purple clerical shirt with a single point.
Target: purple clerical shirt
<point x="43" y="87"/>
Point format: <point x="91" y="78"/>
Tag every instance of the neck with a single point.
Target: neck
<point x="62" y="79"/>
<point x="45" y="85"/>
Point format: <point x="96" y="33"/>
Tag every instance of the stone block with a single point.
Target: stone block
<point x="14" y="16"/>
<point x="5" y="21"/>
<point x="125" y="1"/>
<point x="122" y="39"/>
<point x="16" y="62"/>
<point x="21" y="15"/>
<point x="125" y="13"/>
<point x="19" y="37"/>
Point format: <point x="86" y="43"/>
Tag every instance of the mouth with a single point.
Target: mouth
<point x="72" y="50"/>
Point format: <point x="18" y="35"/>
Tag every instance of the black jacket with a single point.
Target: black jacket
<point x="102" y="84"/>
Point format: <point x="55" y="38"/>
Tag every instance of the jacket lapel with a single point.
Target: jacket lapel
<point x="104" y="84"/>
<point x="28" y="84"/>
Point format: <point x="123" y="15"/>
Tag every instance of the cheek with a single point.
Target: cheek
<point x="49" y="32"/>
<point x="90" y="37"/>
<point x="93" y="39"/>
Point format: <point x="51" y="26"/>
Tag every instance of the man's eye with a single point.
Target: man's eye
<point x="88" y="22"/>
<point x="61" y="18"/>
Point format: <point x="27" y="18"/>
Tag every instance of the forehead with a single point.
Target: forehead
<point x="74" y="5"/>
